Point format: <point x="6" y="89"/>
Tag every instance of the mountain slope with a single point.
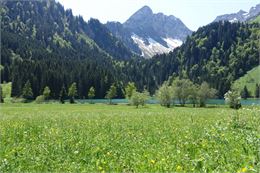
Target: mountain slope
<point x="241" y="16"/>
<point x="59" y="27"/>
<point x="250" y="79"/>
<point x="43" y="43"/>
<point x="153" y="33"/>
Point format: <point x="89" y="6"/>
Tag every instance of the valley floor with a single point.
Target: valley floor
<point x="121" y="138"/>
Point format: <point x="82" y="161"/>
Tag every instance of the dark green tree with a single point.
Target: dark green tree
<point x="27" y="91"/>
<point x="257" y="91"/>
<point x="245" y="93"/>
<point x="63" y="94"/>
<point x="1" y="94"/>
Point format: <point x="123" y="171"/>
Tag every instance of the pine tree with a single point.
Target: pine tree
<point x="91" y="93"/>
<point x="72" y="92"/>
<point x="63" y="94"/>
<point x="27" y="91"/>
<point x="1" y="94"/>
<point x="245" y="93"/>
<point x="257" y="91"/>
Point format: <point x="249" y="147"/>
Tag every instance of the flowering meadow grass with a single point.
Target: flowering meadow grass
<point x="120" y="138"/>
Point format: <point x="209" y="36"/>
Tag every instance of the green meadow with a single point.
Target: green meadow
<point x="121" y="138"/>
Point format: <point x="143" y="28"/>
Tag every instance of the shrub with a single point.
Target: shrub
<point x="233" y="99"/>
<point x="40" y="99"/>
<point x="139" y="98"/>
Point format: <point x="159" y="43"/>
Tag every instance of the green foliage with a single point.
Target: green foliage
<point x="165" y="95"/>
<point x="6" y="87"/>
<point x="250" y="79"/>
<point x="27" y="91"/>
<point x="111" y="93"/>
<point x="72" y="92"/>
<point x="61" y="42"/>
<point x="91" y="93"/>
<point x="233" y="99"/>
<point x="204" y="93"/>
<point x="140" y="98"/>
<point x="40" y="99"/>
<point x="182" y="89"/>
<point x="96" y="138"/>
<point x="63" y="94"/>
<point x="129" y="90"/>
<point x="46" y="92"/>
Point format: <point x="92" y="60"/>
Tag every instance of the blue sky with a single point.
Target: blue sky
<point x="194" y="13"/>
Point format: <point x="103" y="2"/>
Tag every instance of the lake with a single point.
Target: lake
<point x="154" y="101"/>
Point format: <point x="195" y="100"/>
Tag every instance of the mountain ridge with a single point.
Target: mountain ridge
<point x="241" y="15"/>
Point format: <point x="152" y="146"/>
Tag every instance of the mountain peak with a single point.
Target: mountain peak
<point x="145" y="10"/>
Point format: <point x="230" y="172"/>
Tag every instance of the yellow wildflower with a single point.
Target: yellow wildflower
<point x="153" y="161"/>
<point x="244" y="169"/>
<point x="179" y="168"/>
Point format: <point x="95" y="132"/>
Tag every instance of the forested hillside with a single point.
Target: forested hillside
<point x="48" y="46"/>
<point x="43" y="43"/>
<point x="218" y="53"/>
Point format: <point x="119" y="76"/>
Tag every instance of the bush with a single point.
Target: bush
<point x="40" y="99"/>
<point x="139" y="98"/>
<point x="18" y="100"/>
<point x="233" y="99"/>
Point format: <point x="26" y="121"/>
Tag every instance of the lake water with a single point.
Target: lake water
<point x="154" y="101"/>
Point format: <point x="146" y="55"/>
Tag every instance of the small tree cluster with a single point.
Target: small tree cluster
<point x="233" y="99"/>
<point x="184" y="90"/>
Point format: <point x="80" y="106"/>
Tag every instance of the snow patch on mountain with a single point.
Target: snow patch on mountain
<point x="150" y="47"/>
<point x="173" y="43"/>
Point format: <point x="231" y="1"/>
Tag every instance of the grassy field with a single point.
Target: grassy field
<point x="121" y="138"/>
